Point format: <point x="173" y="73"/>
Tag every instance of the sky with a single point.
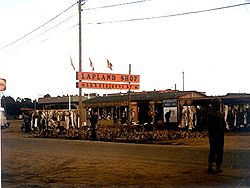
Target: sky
<point x="211" y="47"/>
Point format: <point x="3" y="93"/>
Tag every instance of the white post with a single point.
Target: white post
<point x="183" y="81"/>
<point x="69" y="102"/>
<point x="0" y="99"/>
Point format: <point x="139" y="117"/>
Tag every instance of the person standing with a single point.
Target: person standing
<point x="26" y="123"/>
<point x="93" y="122"/>
<point x="216" y="128"/>
<point x="167" y="117"/>
<point x="150" y="118"/>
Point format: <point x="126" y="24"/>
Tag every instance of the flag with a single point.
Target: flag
<point x="109" y="65"/>
<point x="71" y="62"/>
<point x="91" y="64"/>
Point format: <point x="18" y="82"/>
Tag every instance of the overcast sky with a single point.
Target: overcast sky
<point x="211" y="47"/>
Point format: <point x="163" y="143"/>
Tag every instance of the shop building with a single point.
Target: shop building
<point x="147" y="107"/>
<point x="237" y="110"/>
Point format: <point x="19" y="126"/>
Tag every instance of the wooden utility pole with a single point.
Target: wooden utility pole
<point x="129" y="99"/>
<point x="80" y="63"/>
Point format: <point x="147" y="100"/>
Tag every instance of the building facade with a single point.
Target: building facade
<point x="147" y="107"/>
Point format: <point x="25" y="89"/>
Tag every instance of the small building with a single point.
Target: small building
<point x="146" y="106"/>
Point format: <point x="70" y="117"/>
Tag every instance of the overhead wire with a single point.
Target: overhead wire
<point x="116" y="5"/>
<point x="29" y="33"/>
<point x="171" y="15"/>
<point x="46" y="31"/>
<point x="87" y="9"/>
<point x="115" y="21"/>
<point x="109" y="6"/>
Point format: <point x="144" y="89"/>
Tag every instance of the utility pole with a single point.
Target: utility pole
<point x="129" y="99"/>
<point x="80" y="62"/>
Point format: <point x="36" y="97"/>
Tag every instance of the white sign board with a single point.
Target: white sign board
<point x="2" y="84"/>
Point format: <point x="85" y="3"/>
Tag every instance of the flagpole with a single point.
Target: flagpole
<point x="71" y="62"/>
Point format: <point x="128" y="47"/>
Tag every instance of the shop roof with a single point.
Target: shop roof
<point x="145" y="96"/>
<point x="236" y="98"/>
<point x="123" y="97"/>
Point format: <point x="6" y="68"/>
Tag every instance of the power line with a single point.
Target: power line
<point x="116" y="21"/>
<point x="116" y="5"/>
<point x="172" y="15"/>
<point x="46" y="31"/>
<point x="54" y="26"/>
<point x="24" y="36"/>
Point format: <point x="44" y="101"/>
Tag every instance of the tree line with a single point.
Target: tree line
<point x="14" y="108"/>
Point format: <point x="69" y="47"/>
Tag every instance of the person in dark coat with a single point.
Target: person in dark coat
<point x="26" y="123"/>
<point x="216" y="128"/>
<point x="167" y="117"/>
<point x="93" y="121"/>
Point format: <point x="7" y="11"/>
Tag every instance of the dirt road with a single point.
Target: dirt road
<point x="37" y="162"/>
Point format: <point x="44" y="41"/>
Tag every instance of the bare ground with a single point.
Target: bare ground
<point x="36" y="162"/>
